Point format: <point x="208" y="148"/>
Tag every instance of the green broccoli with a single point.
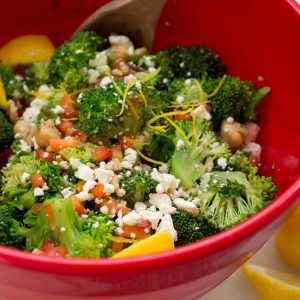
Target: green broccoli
<point x="191" y="229"/>
<point x="67" y="63"/>
<point x="84" y="154"/>
<point x="37" y="74"/>
<point x="235" y="98"/>
<point x="87" y="238"/>
<point x="13" y="85"/>
<point x="99" y="109"/>
<point x="10" y="218"/>
<point x="195" y="152"/>
<point x="229" y="198"/>
<point x="181" y="90"/>
<point x="6" y="130"/>
<point x="187" y="62"/>
<point x="137" y="184"/>
<point x="239" y="161"/>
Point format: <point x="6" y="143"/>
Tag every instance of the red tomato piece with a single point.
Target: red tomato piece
<point x="60" y="144"/>
<point x="101" y="153"/>
<point x="37" y="180"/>
<point x="44" y="155"/>
<point x="116" y="151"/>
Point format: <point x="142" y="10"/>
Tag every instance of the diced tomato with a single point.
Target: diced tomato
<point x="69" y="108"/>
<point x="44" y="155"/>
<point x="126" y="142"/>
<point x="101" y="153"/>
<point x="48" y="249"/>
<point x="66" y="101"/>
<point x="136" y="232"/>
<point x="116" y="246"/>
<point x="50" y="216"/>
<point x="116" y="151"/>
<point x="77" y="133"/>
<point x="98" y="191"/>
<point x="79" y="186"/>
<point x="123" y="209"/>
<point x="65" y="126"/>
<point x="110" y="204"/>
<point x="182" y="117"/>
<point x="60" y="144"/>
<point x="77" y="205"/>
<point x="37" y="180"/>
<point x="144" y="224"/>
<point x="36" y="208"/>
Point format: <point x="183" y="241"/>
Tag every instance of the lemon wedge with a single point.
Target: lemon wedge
<point x="3" y="99"/>
<point x="27" y="49"/>
<point x="287" y="240"/>
<point x="273" y="285"/>
<point x="158" y="242"/>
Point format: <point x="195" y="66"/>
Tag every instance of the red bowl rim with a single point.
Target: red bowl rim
<point x="203" y="248"/>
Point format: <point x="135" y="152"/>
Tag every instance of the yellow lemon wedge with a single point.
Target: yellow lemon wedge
<point x="3" y="99"/>
<point x="287" y="240"/>
<point x="273" y="285"/>
<point x="158" y="242"/>
<point x="27" y="49"/>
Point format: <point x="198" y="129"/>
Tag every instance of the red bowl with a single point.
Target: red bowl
<point x="255" y="40"/>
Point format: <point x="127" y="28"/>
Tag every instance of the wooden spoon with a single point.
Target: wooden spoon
<point x="135" y="18"/>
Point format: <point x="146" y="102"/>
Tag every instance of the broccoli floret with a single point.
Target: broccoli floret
<point x="13" y="85"/>
<point x="191" y="229"/>
<point x="37" y="74"/>
<point x="10" y="234"/>
<point x="88" y="238"/>
<point x="229" y="198"/>
<point x="239" y="161"/>
<point x="99" y="109"/>
<point x="181" y="90"/>
<point x="197" y="154"/>
<point x="66" y="64"/>
<point x="235" y="98"/>
<point x="137" y="184"/>
<point x="84" y="154"/>
<point x="6" y="131"/>
<point x="188" y="62"/>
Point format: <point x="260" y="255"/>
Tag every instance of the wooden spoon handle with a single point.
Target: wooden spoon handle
<point x="134" y="18"/>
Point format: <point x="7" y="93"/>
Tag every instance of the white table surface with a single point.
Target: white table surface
<point x="236" y="287"/>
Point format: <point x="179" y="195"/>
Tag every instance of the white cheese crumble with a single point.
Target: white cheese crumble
<point x="166" y="223"/>
<point x="131" y="218"/>
<point x="130" y="155"/>
<point x="90" y="184"/>
<point x="75" y="162"/>
<point x="84" y="196"/>
<point x="38" y="192"/>
<point x="24" y="146"/>
<point x="162" y="202"/>
<point x="179" y="99"/>
<point x="187" y="206"/>
<point x="58" y="109"/>
<point x="105" y="81"/>
<point x="180" y="144"/>
<point x="67" y="192"/>
<point x="104" y="176"/>
<point x="84" y="172"/>
<point x="139" y="206"/>
<point x="222" y="162"/>
<point x="24" y="178"/>
<point x="108" y="189"/>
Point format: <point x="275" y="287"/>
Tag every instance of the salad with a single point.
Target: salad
<point x="116" y="150"/>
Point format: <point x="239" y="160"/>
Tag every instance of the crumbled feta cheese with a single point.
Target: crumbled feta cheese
<point x="104" y="209"/>
<point x="108" y="189"/>
<point x="138" y="85"/>
<point x="129" y="78"/>
<point x="179" y="99"/>
<point x="202" y="113"/>
<point x="57" y="121"/>
<point x="188" y="82"/>
<point x="75" y="162"/>
<point x="105" y="81"/>
<point x="24" y="146"/>
<point x="126" y="165"/>
<point x="222" y="162"/>
<point x="119" y="231"/>
<point x="160" y="189"/>
<point x="180" y="144"/>
<point x="58" y="109"/>
<point x="67" y="192"/>
<point x="31" y="112"/>
<point x="96" y="224"/>
<point x="152" y="216"/>
<point x="64" y="164"/>
<point x="148" y="59"/>
<point x="131" y="218"/>
<point x="99" y="61"/>
<point x="120" y="192"/>
<point x="162" y="202"/>
<point x="90" y="184"/>
<point x="38" y="192"/>
<point x="166" y="223"/>
<point x="168" y="181"/>
<point x="62" y="229"/>
<point x="187" y="206"/>
<point x="84" y="172"/>
<point x="24" y="178"/>
<point x="84" y="196"/>
<point x="139" y="206"/>
<point x="103" y="175"/>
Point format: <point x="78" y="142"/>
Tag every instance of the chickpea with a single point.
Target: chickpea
<point x="233" y="133"/>
<point x="13" y="111"/>
<point x="141" y="51"/>
<point x="47" y="133"/>
<point x="119" y="52"/>
<point x="26" y="130"/>
<point x="116" y="72"/>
